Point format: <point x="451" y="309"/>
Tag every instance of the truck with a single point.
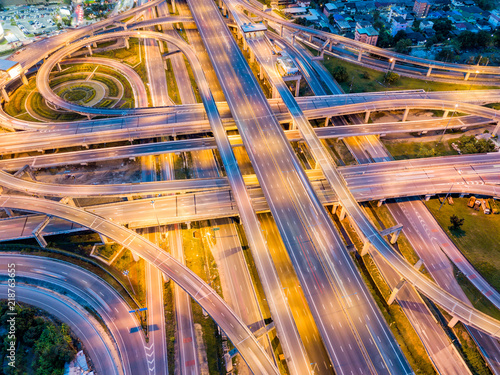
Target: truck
<point x="472" y="201"/>
<point x="485" y="206"/>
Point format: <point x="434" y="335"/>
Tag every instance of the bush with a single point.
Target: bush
<point x="469" y="144"/>
<point x="340" y="74"/>
<point x="391" y="78"/>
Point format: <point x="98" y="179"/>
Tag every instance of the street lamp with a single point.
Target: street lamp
<point x="446" y="127"/>
<point x="158" y="221"/>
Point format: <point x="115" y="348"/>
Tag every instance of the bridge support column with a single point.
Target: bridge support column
<point x="367" y="116"/>
<point x="89" y="48"/>
<point x="24" y="80"/>
<point x="394" y="231"/>
<point x="261" y="72"/>
<point x="405" y="115"/>
<point x="393" y="63"/>
<point x="366" y="247"/>
<point x="445" y="114"/>
<point x="94" y="44"/>
<point x="5" y="95"/>
<point x="360" y="54"/>
<point x="427" y="197"/>
<point x="160" y="45"/>
<point x="58" y="66"/>
<point x="127" y="44"/>
<point x="9" y="212"/>
<point x="173" y="6"/>
<point x="293" y="125"/>
<point x="327" y="121"/>
<point x="297" y="86"/>
<point x="467" y="76"/>
<point x="310" y="38"/>
<point x="135" y="257"/>
<point x="452" y="322"/>
<point x="343" y="213"/>
<point x="281" y="31"/>
<point x="395" y="291"/>
<point x="38" y="230"/>
<point x="380" y="202"/>
<point x="429" y="71"/>
<point x="275" y="93"/>
<point x="104" y="239"/>
<point x="497" y="127"/>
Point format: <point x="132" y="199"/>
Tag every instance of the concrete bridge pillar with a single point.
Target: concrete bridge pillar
<point x="497" y="127"/>
<point x="127" y="44"/>
<point x="429" y="71"/>
<point x="405" y="115"/>
<point x="452" y="322"/>
<point x="89" y="48"/>
<point x="173" y="6"/>
<point x="261" y="72"/>
<point x="8" y="211"/>
<point x="393" y="63"/>
<point x="94" y="44"/>
<point x="445" y="114"/>
<point x="310" y="38"/>
<point x="5" y="95"/>
<point x="58" y="66"/>
<point x="360" y="54"/>
<point x="160" y="44"/>
<point x="135" y="257"/>
<point x="467" y="76"/>
<point x="275" y="93"/>
<point x="367" y="116"/>
<point x="24" y="80"/>
<point x="297" y="86"/>
<point x="281" y="31"/>
<point x="380" y="202"/>
<point x="395" y="291"/>
<point x="38" y="230"/>
<point x="393" y="231"/>
<point x="343" y="213"/>
<point x="366" y="247"/>
<point x="427" y="197"/>
<point x="327" y="121"/>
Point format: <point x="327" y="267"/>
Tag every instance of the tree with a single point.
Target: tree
<point x="401" y="34"/>
<point x="385" y="39"/>
<point x="391" y="77"/>
<point x="442" y="27"/>
<point x="456" y="222"/>
<point x="469" y="144"/>
<point x="340" y="74"/>
<point x="446" y="55"/>
<point x="416" y="25"/>
<point x="403" y="46"/>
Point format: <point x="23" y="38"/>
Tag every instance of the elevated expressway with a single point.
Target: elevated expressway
<point x="329" y="38"/>
<point x="211" y="302"/>
<point x="196" y="112"/>
<point x="16" y="142"/>
<point x="458" y="309"/>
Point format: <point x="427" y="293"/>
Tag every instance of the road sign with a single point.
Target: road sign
<point x="216" y="228"/>
<point x="143" y="309"/>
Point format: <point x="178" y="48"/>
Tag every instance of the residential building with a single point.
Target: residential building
<point x="329" y="9"/>
<point x="421" y="8"/>
<point x="398" y="23"/>
<point x="426" y="24"/>
<point x="366" y="35"/>
<point x="494" y="20"/>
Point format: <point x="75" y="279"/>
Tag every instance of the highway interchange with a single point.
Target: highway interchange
<point x="352" y="334"/>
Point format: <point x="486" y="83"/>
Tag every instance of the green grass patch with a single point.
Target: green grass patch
<point x="414" y="150"/>
<point x="113" y="90"/>
<point x="478" y="238"/>
<point x="170" y="323"/>
<point x="16" y="105"/>
<point x="368" y="80"/>
<point x="107" y="251"/>
<point x="339" y="151"/>
<point x="173" y="90"/>
<point x="493" y="105"/>
<point x="136" y="274"/>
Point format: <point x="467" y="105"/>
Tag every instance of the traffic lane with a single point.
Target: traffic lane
<point x="80" y="322"/>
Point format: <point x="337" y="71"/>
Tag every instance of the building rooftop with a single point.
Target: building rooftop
<point x="370" y="31"/>
<point x="6" y="65"/>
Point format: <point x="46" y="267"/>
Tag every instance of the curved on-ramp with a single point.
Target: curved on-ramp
<point x="43" y="76"/>
<point x="76" y="318"/>
<point x="239" y="334"/>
